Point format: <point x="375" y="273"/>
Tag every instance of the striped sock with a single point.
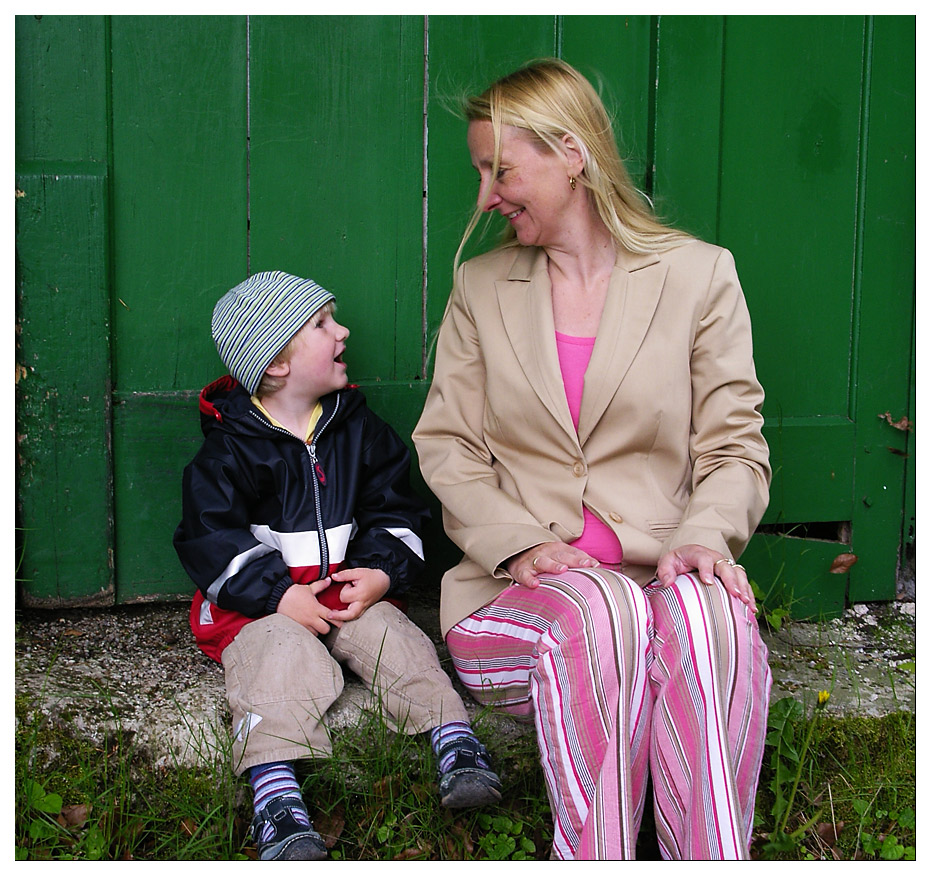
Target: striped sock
<point x="447" y="733"/>
<point x="272" y="780"/>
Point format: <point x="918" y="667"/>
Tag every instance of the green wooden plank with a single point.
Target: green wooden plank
<point x="688" y="122"/>
<point x="812" y="463"/>
<point x="788" y="202"/>
<point x="336" y="173"/>
<point x="180" y="197"/>
<point x="61" y="88"/>
<point x="179" y="192"/>
<point x="908" y="525"/>
<point x="154" y="436"/>
<point x="62" y="388"/>
<point x="615" y="53"/>
<point x="790" y="113"/>
<point x="795" y="574"/>
<point x="466" y="54"/>
<point x="886" y="307"/>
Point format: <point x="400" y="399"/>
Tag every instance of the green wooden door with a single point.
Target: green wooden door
<point x="160" y="160"/>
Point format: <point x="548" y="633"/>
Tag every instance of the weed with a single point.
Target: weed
<point x="775" y="603"/>
<point x="504" y="838"/>
<point x="884" y="845"/>
<point x="836" y="788"/>
<point x="787" y="764"/>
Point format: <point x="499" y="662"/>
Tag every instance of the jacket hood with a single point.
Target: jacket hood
<point x="225" y="404"/>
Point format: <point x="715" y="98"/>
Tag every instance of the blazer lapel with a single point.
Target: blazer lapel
<point x="633" y="295"/>
<point x="527" y="312"/>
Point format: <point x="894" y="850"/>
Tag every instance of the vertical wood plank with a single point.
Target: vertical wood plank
<point x="61" y="88"/>
<point x="615" y="53"/>
<point x="63" y="389"/>
<point x="886" y="304"/>
<point x="688" y="122"/>
<point x="467" y="53"/>
<point x="337" y="173"/>
<point x="179" y="195"/>
<point x="788" y="199"/>
<point x="64" y="500"/>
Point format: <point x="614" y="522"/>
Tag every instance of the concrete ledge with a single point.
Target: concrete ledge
<point x="136" y="671"/>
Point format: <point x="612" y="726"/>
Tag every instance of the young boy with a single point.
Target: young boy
<point x="299" y="529"/>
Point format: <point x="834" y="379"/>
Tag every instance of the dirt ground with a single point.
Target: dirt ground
<point x="135" y="670"/>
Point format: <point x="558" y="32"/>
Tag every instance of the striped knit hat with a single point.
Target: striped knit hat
<point x="254" y="321"/>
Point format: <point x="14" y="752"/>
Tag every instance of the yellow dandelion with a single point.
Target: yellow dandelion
<point x="823" y="697"/>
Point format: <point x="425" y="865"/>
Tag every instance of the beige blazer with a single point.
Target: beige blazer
<point x="669" y="449"/>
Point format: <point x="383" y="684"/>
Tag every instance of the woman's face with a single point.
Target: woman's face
<point x="531" y="189"/>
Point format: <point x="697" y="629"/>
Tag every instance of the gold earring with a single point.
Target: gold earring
<point x="572" y="183"/>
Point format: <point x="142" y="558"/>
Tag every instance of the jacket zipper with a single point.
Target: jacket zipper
<point x="316" y="476"/>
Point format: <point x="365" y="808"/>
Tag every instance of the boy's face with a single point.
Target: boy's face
<point x="316" y="365"/>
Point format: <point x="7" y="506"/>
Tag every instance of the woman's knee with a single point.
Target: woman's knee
<point x="601" y="599"/>
<point x="689" y="599"/>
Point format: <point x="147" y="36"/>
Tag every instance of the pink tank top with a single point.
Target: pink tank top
<point x="597" y="540"/>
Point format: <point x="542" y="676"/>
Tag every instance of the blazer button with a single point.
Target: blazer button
<point x="616" y="517"/>
<point x="578" y="469"/>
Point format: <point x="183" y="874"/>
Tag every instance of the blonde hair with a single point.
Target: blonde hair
<point x="269" y="384"/>
<point x="549" y="99"/>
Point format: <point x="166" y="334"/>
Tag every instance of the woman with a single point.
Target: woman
<point x="593" y="434"/>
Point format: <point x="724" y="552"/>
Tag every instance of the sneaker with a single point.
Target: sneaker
<point x="282" y="832"/>
<point x="467" y="781"/>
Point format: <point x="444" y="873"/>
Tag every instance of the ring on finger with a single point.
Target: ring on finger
<point x="738" y="566"/>
<point x="727" y="560"/>
<point x="534" y="561"/>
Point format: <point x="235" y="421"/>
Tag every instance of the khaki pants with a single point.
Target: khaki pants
<point x="281" y="679"/>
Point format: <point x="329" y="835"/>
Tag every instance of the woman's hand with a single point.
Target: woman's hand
<point x="549" y="558"/>
<point x="363" y="588"/>
<point x="708" y="563"/>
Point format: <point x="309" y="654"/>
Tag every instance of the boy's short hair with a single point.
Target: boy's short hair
<point x="256" y="320"/>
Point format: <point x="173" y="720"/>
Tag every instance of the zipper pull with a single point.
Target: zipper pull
<point x="318" y="469"/>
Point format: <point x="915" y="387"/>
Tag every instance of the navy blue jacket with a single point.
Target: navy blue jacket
<point x="262" y="509"/>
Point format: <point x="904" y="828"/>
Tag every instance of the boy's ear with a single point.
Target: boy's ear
<point x="278" y="369"/>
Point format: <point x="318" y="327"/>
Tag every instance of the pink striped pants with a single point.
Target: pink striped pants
<point x="622" y="682"/>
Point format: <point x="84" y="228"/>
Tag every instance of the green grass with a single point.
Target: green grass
<point x="376" y="798"/>
<point x="854" y="787"/>
<point x="830" y="789"/>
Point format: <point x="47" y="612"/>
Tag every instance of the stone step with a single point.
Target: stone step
<point x="136" y="671"/>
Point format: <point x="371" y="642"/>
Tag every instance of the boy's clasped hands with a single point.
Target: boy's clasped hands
<point x="362" y="589"/>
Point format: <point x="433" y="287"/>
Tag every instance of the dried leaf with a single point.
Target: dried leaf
<point x="73" y="632"/>
<point x="387" y="788"/>
<point x="421" y="850"/>
<point x="842" y="563"/>
<point x="330" y="825"/>
<point x="903" y="425"/>
<point x="828" y="832"/>
<point x="188" y="826"/>
<point x="75" y="814"/>
<point x="457" y="841"/>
